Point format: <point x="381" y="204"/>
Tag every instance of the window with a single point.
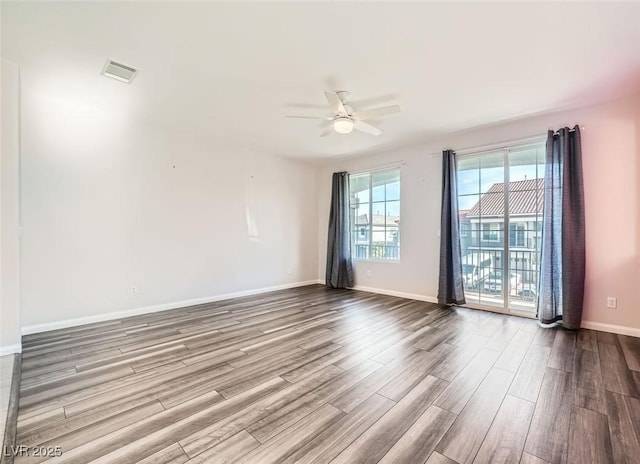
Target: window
<point x="516" y="235"/>
<point x="375" y="215"/>
<point x="491" y="232"/>
<point x="464" y="230"/>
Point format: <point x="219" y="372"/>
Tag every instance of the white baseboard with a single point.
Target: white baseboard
<point x="37" y="328"/>
<point x="10" y="349"/>
<point x="410" y="296"/>
<point x="616" y="329"/>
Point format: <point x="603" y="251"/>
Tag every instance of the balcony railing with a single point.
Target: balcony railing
<point x="523" y="262"/>
<point x="376" y="252"/>
<point x="485" y="281"/>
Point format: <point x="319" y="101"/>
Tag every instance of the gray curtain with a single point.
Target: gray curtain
<point x="562" y="264"/>
<point x="450" y="288"/>
<point x="339" y="268"/>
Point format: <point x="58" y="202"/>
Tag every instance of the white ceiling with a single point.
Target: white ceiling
<point x="234" y="70"/>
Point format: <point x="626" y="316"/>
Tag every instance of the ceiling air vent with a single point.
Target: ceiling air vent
<point x="119" y="71"/>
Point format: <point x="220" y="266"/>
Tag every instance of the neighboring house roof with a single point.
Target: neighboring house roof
<point x="378" y="220"/>
<point x="525" y="197"/>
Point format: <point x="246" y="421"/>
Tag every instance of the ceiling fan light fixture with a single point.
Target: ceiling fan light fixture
<point x="343" y="125"/>
<point x="344" y="120"/>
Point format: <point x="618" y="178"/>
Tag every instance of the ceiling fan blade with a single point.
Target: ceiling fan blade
<point x="335" y="103"/>
<point x="327" y="132"/>
<point x="376" y="112"/>
<point x="366" y="128"/>
<point x="309" y="117"/>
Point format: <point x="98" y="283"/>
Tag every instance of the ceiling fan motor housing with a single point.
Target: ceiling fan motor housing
<point x="343" y="125"/>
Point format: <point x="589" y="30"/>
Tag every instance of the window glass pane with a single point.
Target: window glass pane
<point x="492" y="204"/>
<point x="491" y="173"/>
<point x="377" y="212"/>
<point x="393" y="211"/>
<point x="469" y="176"/>
<point x="474" y="240"/>
<point x="375" y="224"/>
<point x="468" y="202"/>
<point x="525" y="158"/>
<point x="378" y="235"/>
<point x="526" y="176"/>
<point x="392" y="229"/>
<point x="362" y="215"/>
<point x="360" y="187"/>
<point x="468" y="211"/>
<point x="522" y="167"/>
<point x="354" y="240"/>
<point x="377" y="185"/>
<point x="537" y="238"/>
<point x="393" y="185"/>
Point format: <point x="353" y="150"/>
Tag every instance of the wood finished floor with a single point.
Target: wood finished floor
<point x="311" y="375"/>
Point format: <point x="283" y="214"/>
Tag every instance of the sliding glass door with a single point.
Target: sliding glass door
<point x="481" y="204"/>
<point x="500" y="203"/>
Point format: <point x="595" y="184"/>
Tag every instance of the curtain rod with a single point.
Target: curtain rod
<point x="498" y="146"/>
<point x="383" y="167"/>
<point x="570" y="130"/>
<point x="517" y="143"/>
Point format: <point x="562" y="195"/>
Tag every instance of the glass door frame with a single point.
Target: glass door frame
<point x="506" y="261"/>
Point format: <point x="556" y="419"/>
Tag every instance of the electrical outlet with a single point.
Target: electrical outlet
<point x="369" y="274"/>
<point x="612" y="302"/>
<point x="133" y="289"/>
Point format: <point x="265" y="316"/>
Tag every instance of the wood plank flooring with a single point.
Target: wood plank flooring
<point x="312" y="375"/>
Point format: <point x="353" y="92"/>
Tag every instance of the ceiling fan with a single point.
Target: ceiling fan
<point x="344" y="120"/>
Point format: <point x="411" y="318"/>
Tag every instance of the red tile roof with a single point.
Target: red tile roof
<point x="525" y="197"/>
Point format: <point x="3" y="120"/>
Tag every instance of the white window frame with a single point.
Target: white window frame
<point x="518" y="227"/>
<point x="356" y="228"/>
<point x="503" y="264"/>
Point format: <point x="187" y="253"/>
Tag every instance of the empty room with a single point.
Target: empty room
<point x="320" y="232"/>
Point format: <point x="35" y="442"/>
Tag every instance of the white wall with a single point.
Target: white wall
<point x="419" y="223"/>
<point x="110" y="203"/>
<point x="10" y="210"/>
<point x="104" y="208"/>
<point x="611" y="161"/>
